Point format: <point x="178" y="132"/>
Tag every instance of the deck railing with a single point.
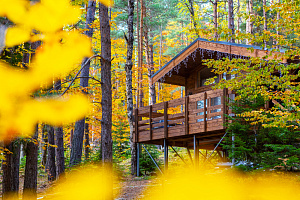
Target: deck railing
<point x="198" y="113"/>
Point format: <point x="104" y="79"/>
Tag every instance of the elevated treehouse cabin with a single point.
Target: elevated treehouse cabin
<point x="200" y="122"/>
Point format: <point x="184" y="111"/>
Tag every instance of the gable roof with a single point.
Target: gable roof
<point x="184" y="63"/>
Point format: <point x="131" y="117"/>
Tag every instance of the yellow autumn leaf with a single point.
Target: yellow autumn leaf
<point x="212" y="185"/>
<point x="92" y="183"/>
<point x="107" y="3"/>
<point x="51" y="15"/>
<point x="14" y="9"/>
<point x="63" y="55"/>
<point x="21" y="117"/>
<point x="16" y="35"/>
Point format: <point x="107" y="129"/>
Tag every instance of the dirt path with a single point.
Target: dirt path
<point x="133" y="188"/>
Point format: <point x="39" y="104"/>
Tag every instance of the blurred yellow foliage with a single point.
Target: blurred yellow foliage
<point x="91" y="182"/>
<point x="59" y="52"/>
<point x="226" y="186"/>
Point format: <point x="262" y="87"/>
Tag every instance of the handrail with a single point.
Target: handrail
<point x="151" y="124"/>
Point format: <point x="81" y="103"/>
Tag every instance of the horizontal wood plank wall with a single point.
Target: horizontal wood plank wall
<point x="158" y="124"/>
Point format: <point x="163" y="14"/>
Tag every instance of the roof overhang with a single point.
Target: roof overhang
<point x="183" y="64"/>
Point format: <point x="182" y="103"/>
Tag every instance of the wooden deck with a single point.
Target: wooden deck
<point x="179" y="120"/>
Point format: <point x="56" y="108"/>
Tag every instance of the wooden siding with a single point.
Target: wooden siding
<point x="191" y="119"/>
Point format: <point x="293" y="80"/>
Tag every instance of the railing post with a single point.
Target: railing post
<point x="225" y="92"/>
<point x="205" y="112"/>
<point x="150" y="122"/>
<point x="187" y="115"/>
<point x="136" y="118"/>
<point x="166" y="119"/>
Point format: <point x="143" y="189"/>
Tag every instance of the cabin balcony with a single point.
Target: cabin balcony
<point x="180" y="120"/>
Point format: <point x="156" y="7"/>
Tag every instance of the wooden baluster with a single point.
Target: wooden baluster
<point x="150" y="122"/>
<point x="224" y="102"/>
<point x="136" y="118"/>
<point x="186" y="115"/>
<point x="205" y="110"/>
<point x="166" y="119"/>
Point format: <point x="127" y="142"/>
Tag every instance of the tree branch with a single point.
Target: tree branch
<point x="82" y="67"/>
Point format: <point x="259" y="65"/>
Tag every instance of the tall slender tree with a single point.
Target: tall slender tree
<point x="59" y="140"/>
<point x="10" y="167"/>
<point x="77" y="140"/>
<point x="106" y="122"/>
<point x="128" y="69"/>
<point x="30" y="180"/>
<point x="51" y="166"/>
<point x="231" y="21"/>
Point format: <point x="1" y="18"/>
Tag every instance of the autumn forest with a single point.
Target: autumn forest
<point x="149" y="99"/>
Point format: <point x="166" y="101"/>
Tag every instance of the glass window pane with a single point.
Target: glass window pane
<point x="215" y="101"/>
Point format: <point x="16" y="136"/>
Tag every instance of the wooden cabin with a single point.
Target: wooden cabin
<point x="200" y="121"/>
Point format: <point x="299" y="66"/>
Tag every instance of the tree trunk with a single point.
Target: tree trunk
<point x="265" y="19"/>
<point x="60" y="157"/>
<point x="45" y="147"/>
<point x="30" y="180"/>
<point x="106" y="122"/>
<point x="10" y="167"/>
<point x="151" y="72"/>
<point x="191" y="9"/>
<point x="249" y="23"/>
<point x="59" y="135"/>
<point x="140" y="56"/>
<point x="51" y="167"/>
<point x="277" y="28"/>
<point x="231" y="21"/>
<point x="239" y="18"/>
<point x="138" y="50"/>
<point x="77" y="140"/>
<point x="216" y="19"/>
<point x="128" y="69"/>
<point x="87" y="142"/>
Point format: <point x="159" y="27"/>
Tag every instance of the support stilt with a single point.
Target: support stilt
<point x="196" y="152"/>
<point x="166" y="156"/>
<point x="189" y="153"/>
<point x="138" y="160"/>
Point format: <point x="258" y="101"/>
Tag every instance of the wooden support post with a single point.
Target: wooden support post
<point x="186" y="115"/>
<point x="196" y="152"/>
<point x="220" y="155"/>
<point x="166" y="155"/>
<point x="150" y="122"/>
<point x="189" y="153"/>
<point x="138" y="160"/>
<point x="166" y="119"/>
<point x="205" y="111"/>
<point x="136" y="118"/>
<point x="224" y="102"/>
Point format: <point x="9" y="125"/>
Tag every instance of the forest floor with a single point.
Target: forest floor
<point x="129" y="188"/>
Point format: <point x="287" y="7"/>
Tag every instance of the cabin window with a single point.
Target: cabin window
<point x="203" y="76"/>
<point x="231" y="100"/>
<point x="200" y="105"/>
<point x="228" y="76"/>
<point x="215" y="102"/>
